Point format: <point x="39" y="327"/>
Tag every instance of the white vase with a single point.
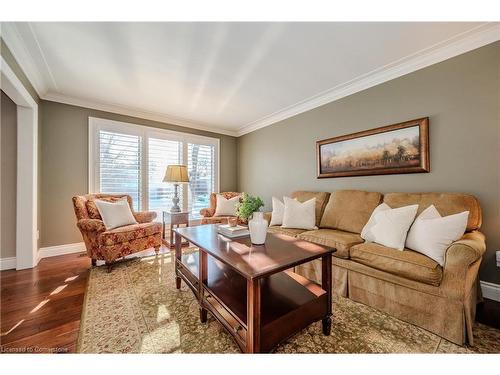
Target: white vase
<point x="258" y="228"/>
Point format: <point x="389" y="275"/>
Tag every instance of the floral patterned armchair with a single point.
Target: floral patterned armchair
<point x="208" y="213"/>
<point x="110" y="245"/>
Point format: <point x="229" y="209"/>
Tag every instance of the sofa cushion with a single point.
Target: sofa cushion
<point x="321" y="200"/>
<point x="445" y="203"/>
<point x="288" y="231"/>
<point x="349" y="210"/>
<point x="340" y="240"/>
<point x="406" y="263"/>
<point x="129" y="233"/>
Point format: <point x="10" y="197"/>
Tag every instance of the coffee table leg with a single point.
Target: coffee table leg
<point x="326" y="284"/>
<point x="253" y="316"/>
<point x="203" y="276"/>
<point x="178" y="255"/>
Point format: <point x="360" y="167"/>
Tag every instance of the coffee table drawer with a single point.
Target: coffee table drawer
<point x="237" y="329"/>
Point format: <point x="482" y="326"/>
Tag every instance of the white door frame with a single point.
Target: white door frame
<point x="27" y="167"/>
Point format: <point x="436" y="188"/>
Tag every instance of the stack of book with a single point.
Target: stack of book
<point x="233" y="232"/>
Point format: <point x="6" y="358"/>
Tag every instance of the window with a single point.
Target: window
<point x="132" y="159"/>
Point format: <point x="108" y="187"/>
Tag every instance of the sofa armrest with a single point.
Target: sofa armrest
<point x="267" y="216"/>
<point x="465" y="251"/>
<point x="145" y="216"/>
<point x="460" y="256"/>
<point x="91" y="225"/>
<point x="207" y="212"/>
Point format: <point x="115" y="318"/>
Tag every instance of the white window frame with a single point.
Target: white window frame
<point x="97" y="124"/>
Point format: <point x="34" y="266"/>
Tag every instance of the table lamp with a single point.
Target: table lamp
<point x="176" y="174"/>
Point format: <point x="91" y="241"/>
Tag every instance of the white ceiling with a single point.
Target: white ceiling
<point x="227" y="77"/>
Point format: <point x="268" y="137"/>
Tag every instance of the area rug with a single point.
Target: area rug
<point x="137" y="309"/>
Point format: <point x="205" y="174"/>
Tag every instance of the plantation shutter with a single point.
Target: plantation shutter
<point x="161" y="153"/>
<point x="132" y="159"/>
<point x="201" y="167"/>
<point x="120" y="165"/>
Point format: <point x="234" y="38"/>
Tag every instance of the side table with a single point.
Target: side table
<point x="174" y="220"/>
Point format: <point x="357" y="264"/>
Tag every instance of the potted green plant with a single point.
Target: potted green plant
<point x="249" y="206"/>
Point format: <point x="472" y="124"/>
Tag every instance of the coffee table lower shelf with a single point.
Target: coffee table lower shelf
<point x="288" y="302"/>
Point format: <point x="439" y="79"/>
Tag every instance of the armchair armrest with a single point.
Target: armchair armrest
<point x="207" y="212"/>
<point x="460" y="257"/>
<point x="91" y="225"/>
<point x="144" y="216"/>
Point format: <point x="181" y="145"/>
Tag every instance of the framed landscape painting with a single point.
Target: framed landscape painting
<point x="398" y="148"/>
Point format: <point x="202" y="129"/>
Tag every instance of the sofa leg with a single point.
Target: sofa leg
<point x="94" y="262"/>
<point x="110" y="266"/>
<point x="157" y="250"/>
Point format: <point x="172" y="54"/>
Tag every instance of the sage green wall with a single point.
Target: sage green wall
<point x="64" y="161"/>
<point x="8" y="176"/>
<point x="462" y="98"/>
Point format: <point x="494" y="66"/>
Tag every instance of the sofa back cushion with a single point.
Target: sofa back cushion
<point x="321" y="200"/>
<point x="445" y="203"/>
<point x="349" y="210"/>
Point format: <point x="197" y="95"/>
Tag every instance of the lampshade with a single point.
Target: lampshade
<point x="176" y="174"/>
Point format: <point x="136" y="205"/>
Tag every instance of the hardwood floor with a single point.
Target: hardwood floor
<point x="40" y="308"/>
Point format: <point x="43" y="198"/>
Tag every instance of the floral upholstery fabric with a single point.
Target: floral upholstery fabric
<point x="208" y="213"/>
<point x="129" y="233"/>
<point x="117" y="243"/>
<point x="113" y="252"/>
<point x="145" y="216"/>
<point x="91" y="225"/>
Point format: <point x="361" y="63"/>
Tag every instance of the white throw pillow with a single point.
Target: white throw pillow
<point x="366" y="233"/>
<point x="432" y="234"/>
<point x="299" y="215"/>
<point x="391" y="226"/>
<point x="226" y="207"/>
<point x="115" y="214"/>
<point x="278" y="211"/>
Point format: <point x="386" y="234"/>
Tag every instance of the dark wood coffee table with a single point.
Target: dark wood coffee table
<point x="251" y="290"/>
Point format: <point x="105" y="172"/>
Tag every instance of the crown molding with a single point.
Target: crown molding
<point x="134" y="112"/>
<point x="21" y="40"/>
<point x="462" y="43"/>
<point x="18" y="46"/>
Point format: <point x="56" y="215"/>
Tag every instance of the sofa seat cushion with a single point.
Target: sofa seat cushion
<point x="129" y="233"/>
<point x="288" y="231"/>
<point x="406" y="263"/>
<point x="338" y="239"/>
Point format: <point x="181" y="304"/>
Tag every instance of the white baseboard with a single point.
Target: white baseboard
<point x="7" y="263"/>
<point x="490" y="290"/>
<point x="52" y="251"/>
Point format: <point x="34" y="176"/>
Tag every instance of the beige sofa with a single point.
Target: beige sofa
<point x="404" y="284"/>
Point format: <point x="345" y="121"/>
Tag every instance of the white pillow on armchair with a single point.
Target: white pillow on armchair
<point x="226" y="207"/>
<point x="115" y="214"/>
